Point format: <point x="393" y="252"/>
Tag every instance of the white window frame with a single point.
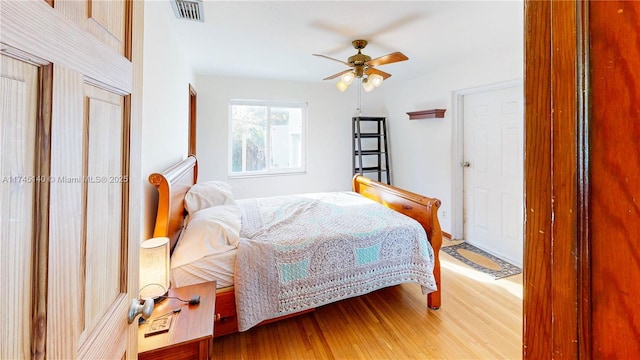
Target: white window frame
<point x="269" y="171"/>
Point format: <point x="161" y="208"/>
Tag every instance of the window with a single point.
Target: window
<point x="267" y="137"/>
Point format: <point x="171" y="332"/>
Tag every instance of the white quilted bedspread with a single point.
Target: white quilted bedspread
<point x="303" y="251"/>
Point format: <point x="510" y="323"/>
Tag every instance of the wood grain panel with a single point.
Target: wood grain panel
<point x="104" y="19"/>
<point x="191" y="331"/>
<point x="392" y="323"/>
<point x="615" y="178"/>
<point x="18" y="179"/>
<point x="556" y="245"/>
<point x="103" y="180"/>
<point x="564" y="181"/>
<point x="538" y="328"/>
<point x="69" y="56"/>
<point x="32" y="34"/>
<point x="42" y="211"/>
<point x="107" y="341"/>
<point x="106" y="22"/>
<point x="133" y="156"/>
<point x="65" y="223"/>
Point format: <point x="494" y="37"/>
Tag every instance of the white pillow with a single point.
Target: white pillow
<point x="210" y="231"/>
<point x="207" y="194"/>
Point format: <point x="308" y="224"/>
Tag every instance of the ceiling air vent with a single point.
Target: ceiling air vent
<point x="188" y="9"/>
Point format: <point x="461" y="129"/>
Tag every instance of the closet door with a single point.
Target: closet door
<point x="79" y="242"/>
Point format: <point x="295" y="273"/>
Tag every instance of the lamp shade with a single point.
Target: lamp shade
<point x="348" y="77"/>
<point x="342" y="86"/>
<point x="368" y="85"/>
<point x="376" y="79"/>
<point x="154" y="267"/>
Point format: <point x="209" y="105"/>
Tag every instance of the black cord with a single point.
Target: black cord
<point x="150" y="284"/>
<point x="193" y="301"/>
<point x="172" y="297"/>
<point x="174" y="311"/>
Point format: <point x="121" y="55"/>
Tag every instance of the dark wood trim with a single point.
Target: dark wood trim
<point x="426" y="114"/>
<point x="555" y="155"/>
<point x="537" y="329"/>
<point x="192" y="119"/>
<point x="583" y="237"/>
<point x="564" y="162"/>
<point x="41" y="214"/>
<point x="614" y="184"/>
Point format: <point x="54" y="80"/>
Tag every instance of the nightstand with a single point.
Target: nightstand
<point x="190" y="335"/>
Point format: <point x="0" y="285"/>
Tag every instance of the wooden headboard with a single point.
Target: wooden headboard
<point x="172" y="185"/>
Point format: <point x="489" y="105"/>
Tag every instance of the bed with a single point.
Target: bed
<point x="245" y="276"/>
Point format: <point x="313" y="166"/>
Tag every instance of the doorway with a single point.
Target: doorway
<point x="488" y="162"/>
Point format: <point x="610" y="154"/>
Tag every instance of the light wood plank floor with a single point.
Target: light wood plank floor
<point x="480" y="318"/>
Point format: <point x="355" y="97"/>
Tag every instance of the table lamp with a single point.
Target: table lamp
<point x="154" y="268"/>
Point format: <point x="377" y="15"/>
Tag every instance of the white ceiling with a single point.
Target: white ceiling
<point x="275" y="39"/>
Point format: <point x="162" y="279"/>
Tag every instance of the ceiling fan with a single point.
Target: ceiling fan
<point x="363" y="67"/>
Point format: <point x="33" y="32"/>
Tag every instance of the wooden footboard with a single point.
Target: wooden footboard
<point x="418" y="207"/>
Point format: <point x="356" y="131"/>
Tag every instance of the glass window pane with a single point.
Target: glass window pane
<point x="249" y="138"/>
<point x="267" y="139"/>
<point x="285" y="137"/>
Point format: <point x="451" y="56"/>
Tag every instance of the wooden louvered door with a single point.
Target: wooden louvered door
<point x="69" y="138"/>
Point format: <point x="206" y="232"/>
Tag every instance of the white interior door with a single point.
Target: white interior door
<point x="493" y="172"/>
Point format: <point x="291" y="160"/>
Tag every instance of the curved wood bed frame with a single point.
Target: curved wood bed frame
<point x="173" y="183"/>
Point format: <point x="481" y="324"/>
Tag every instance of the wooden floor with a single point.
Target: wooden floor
<point x="480" y="318"/>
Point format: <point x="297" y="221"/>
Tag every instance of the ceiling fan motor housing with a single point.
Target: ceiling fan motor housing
<point x="358" y="61"/>
<point x="359" y="44"/>
<point x="363" y="65"/>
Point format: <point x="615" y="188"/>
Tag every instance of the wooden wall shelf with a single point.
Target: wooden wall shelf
<point x="426" y="114"/>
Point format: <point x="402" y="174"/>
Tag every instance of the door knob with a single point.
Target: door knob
<point x="137" y="308"/>
<point x="466" y="164"/>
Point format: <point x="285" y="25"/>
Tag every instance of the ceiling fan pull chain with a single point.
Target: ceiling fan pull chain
<point x="359" y="108"/>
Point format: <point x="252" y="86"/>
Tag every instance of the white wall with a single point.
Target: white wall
<point x="165" y="102"/>
<point x="328" y="133"/>
<point x="421" y="149"/>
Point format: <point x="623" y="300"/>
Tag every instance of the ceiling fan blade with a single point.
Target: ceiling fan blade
<point x="338" y="74"/>
<point x="330" y="58"/>
<point x="384" y="75"/>
<point x="387" y="59"/>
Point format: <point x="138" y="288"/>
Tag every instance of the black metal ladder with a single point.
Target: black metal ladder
<point x="370" y="151"/>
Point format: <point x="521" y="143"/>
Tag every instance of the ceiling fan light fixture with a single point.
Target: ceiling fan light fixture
<point x="376" y="79"/>
<point x="348" y="77"/>
<point x="364" y="68"/>
<point x="342" y="86"/>
<point x="367" y="85"/>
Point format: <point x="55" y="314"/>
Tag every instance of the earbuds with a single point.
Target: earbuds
<point x="143" y="309"/>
